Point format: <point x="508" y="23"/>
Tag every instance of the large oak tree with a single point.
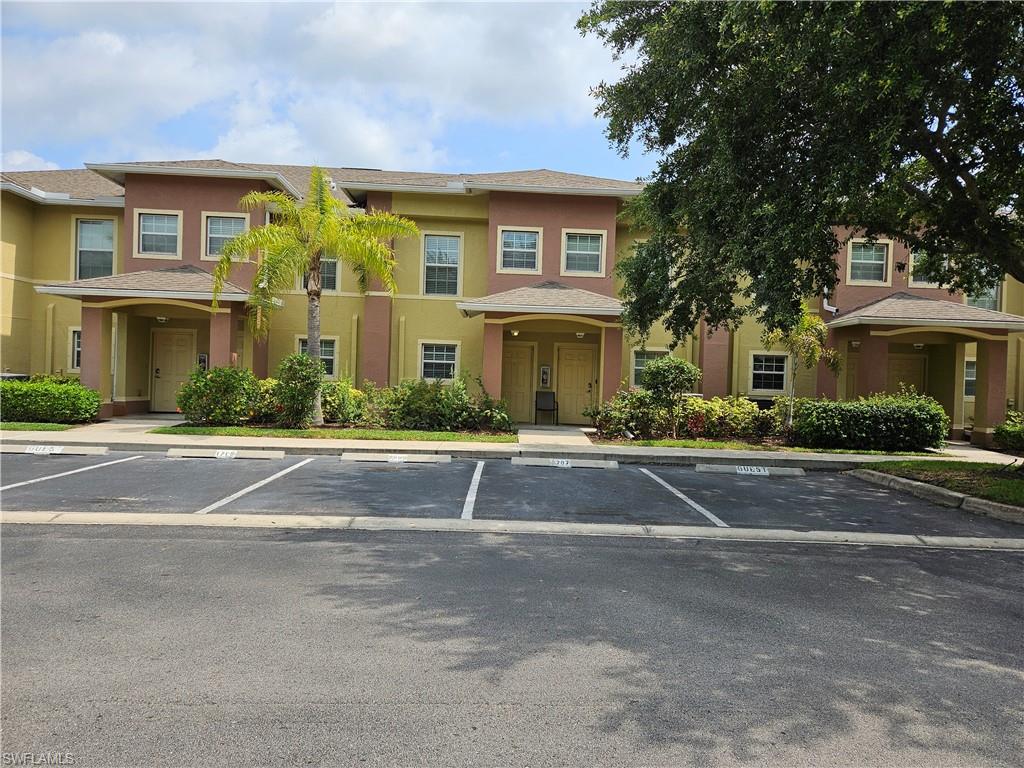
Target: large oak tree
<point x="775" y="122"/>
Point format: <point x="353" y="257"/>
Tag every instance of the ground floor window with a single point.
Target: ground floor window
<point x="970" y="378"/>
<point x="768" y="373"/>
<point x="328" y="353"/>
<point x="641" y="357"/>
<point x="75" y="352"/>
<point x="438" y="360"/>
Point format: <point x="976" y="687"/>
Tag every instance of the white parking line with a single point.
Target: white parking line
<point x="467" y="508"/>
<point x="69" y="472"/>
<point x="717" y="521"/>
<point x="253" y="487"/>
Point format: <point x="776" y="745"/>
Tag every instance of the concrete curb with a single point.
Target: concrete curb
<point x="512" y="527"/>
<point x="943" y="496"/>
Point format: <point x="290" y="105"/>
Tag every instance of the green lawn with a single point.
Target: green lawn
<point x="339" y="434"/>
<point x="35" y="426"/>
<point x="989" y="481"/>
<point x="740" y="445"/>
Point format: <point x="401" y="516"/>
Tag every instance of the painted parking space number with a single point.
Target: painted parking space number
<point x="225" y="454"/>
<point x="565" y="463"/>
<point x="44" y="450"/>
<point x="751" y="470"/>
<point x="396" y="459"/>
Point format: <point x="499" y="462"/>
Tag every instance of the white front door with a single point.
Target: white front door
<point x="173" y="357"/>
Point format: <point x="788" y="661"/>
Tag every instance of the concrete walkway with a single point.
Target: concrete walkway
<point x="530" y="434"/>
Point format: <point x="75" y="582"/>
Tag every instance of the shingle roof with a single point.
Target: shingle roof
<point x="548" y="296"/>
<point x="172" y="281"/>
<point x="904" y="308"/>
<point x="79" y="182"/>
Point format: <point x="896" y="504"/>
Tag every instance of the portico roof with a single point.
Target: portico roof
<point x="906" y="309"/>
<point x="549" y="297"/>
<point x="184" y="282"/>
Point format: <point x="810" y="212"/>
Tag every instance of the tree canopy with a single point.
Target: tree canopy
<point x="776" y="123"/>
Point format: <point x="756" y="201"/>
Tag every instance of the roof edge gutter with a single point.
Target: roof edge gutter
<point x="46" y="198"/>
<point x="116" y="172"/>
<point x="117" y="293"/>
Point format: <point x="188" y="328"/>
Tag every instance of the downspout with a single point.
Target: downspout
<point x="826" y="306"/>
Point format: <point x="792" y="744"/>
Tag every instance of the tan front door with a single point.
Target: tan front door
<point x="852" y="360"/>
<point x="906" y="369"/>
<point x="173" y="357"/>
<point x="517" y="380"/>
<point x="576" y="383"/>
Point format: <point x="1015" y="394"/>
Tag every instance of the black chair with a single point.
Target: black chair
<point x="545" y="402"/>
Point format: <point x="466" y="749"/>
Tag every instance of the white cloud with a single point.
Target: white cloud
<point x="23" y="160"/>
<point x="354" y="83"/>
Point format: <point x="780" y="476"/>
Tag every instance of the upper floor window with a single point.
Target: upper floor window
<point x="438" y="360"/>
<point x="768" y="373"/>
<point x="970" y="377"/>
<point x="869" y="262"/>
<point x="519" y="250"/>
<point x="328" y="353"/>
<point x="583" y="252"/>
<point x="441" y="265"/>
<point x="159" y="235"/>
<point x="328" y="275"/>
<point x="988" y="299"/>
<point x="641" y="357"/>
<point x="220" y="229"/>
<point x="916" y="279"/>
<point x="94" y="248"/>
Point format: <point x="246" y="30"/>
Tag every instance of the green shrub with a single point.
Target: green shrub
<point x="265" y="407"/>
<point x="48" y="400"/>
<point x="669" y="377"/>
<point x="342" y="403"/>
<point x="299" y="378"/>
<point x="219" y="397"/>
<point x="631" y="413"/>
<point x="1010" y="435"/>
<point x="55" y="378"/>
<point x="717" y="417"/>
<point x="901" y="422"/>
<point x="379" y="406"/>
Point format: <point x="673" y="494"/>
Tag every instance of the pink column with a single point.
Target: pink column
<point x="990" y="391"/>
<point x="260" y="359"/>
<point x="493" y="345"/>
<point x="714" y="359"/>
<point x="612" y="373"/>
<point x="873" y="365"/>
<point x="375" y="331"/>
<point x="222" y="339"/>
<point x="95" y="366"/>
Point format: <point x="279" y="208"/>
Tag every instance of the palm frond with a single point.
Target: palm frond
<point x="384" y="225"/>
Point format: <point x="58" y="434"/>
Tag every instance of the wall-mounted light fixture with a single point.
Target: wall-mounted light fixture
<point x="161" y="319"/>
<point x="854" y="344"/>
<point x="580" y="334"/>
<point x="514" y="332"/>
<point x="919" y="347"/>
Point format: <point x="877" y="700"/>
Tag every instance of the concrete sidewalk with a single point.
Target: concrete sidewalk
<point x="133" y="435"/>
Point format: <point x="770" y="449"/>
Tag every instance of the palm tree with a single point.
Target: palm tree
<point x="299" y="235"/>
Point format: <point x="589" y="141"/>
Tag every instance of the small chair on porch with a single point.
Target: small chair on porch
<point x="545" y="401"/>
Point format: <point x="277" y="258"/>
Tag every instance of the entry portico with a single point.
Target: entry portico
<point x="143" y="332"/>
<point x="919" y="341"/>
<point x="575" y="334"/>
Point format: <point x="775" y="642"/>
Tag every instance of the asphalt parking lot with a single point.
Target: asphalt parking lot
<point x="327" y="485"/>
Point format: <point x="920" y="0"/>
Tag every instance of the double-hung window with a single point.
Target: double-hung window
<point x="768" y="373"/>
<point x="584" y="253"/>
<point x="94" y="248"/>
<point x="220" y="229"/>
<point x="918" y="280"/>
<point x="438" y="361"/>
<point x="520" y="250"/>
<point x="987" y="299"/>
<point x="641" y="357"/>
<point x="869" y="262"/>
<point x="75" y="352"/>
<point x="441" y="265"/>
<point x="328" y="353"/>
<point x="970" y="377"/>
<point x="328" y="275"/>
<point x="158" y="234"/>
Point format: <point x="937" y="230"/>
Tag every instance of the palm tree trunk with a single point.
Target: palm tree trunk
<point x="313" y="343"/>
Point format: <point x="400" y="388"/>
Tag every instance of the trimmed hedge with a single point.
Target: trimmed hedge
<point x="223" y="397"/>
<point x="54" y="401"/>
<point x="298" y="379"/>
<point x="901" y="422"/>
<point x="640" y="413"/>
<point x="1010" y="435"/>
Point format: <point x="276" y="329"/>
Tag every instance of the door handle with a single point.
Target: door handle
<point x="156" y="374"/>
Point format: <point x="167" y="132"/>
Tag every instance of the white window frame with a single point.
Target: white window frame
<point x="137" y="234"/>
<point x="421" y="343"/>
<point x="301" y="337"/>
<point x="540" y="250"/>
<point x="72" y="330"/>
<point x="785" y="374"/>
<point x="970" y="398"/>
<point x="632" y="361"/>
<point x="74" y="243"/>
<point x="459" y="266"/>
<point x="911" y="283"/>
<point x="998" y="296"/>
<point x="564" y="271"/>
<point x="301" y="283"/>
<point x="204" y="243"/>
<point x="886" y="269"/>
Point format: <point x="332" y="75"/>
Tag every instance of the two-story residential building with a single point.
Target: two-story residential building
<point x="106" y="274"/>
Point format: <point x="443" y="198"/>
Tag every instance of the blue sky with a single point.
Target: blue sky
<point x="413" y="86"/>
